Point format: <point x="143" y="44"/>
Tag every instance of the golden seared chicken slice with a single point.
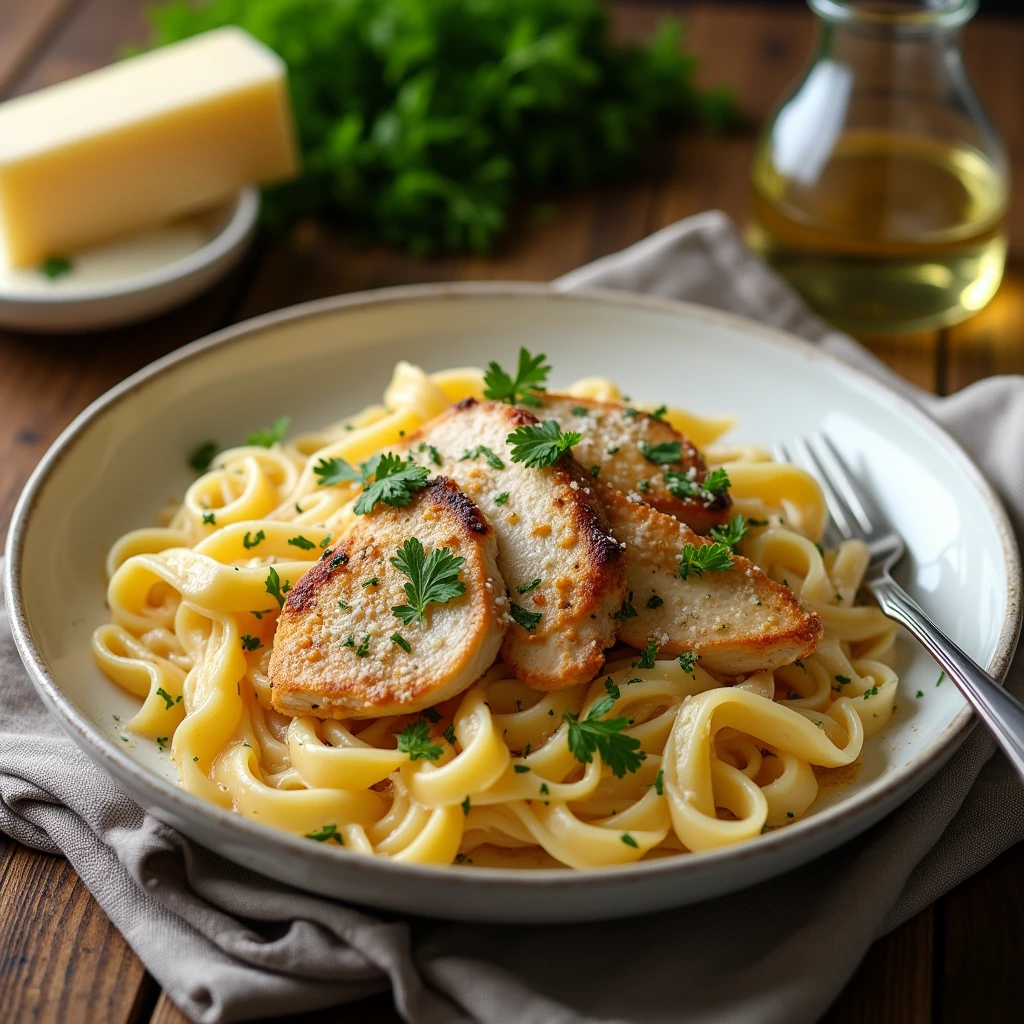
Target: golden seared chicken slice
<point x="736" y="620"/>
<point x="564" y="570"/>
<point x="341" y="651"/>
<point x="643" y="456"/>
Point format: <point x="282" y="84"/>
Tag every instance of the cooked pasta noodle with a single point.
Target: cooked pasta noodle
<point x="725" y="760"/>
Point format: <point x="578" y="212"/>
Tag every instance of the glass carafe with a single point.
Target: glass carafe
<point x="880" y="186"/>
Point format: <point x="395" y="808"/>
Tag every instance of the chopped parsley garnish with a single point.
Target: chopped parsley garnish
<point x="55" y="266"/>
<point x="649" y="656"/>
<point x="449" y="734"/>
<point x="400" y="641"/>
<point x="654" y="601"/>
<point x="686" y="484"/>
<point x="686" y="660"/>
<point x="659" y="782"/>
<point x="433" y="579"/>
<point x="794" y="696"/>
<point x="329" y="833"/>
<point x="482" y="450"/>
<point x="540" y="444"/>
<point x="732" y="534"/>
<point x="527" y="619"/>
<point x="272" y="435"/>
<point x="620" y="752"/>
<point x="274" y="588"/>
<point x="430" y="715"/>
<point x="531" y="375"/>
<point x="595" y="470"/>
<point x="343" y="605"/>
<point x="630" y="412"/>
<point x="717" y="482"/>
<point x="350" y="641"/>
<point x="627" y="611"/>
<point x="249" y="541"/>
<point x="339" y="559"/>
<point x="520" y="769"/>
<point x="843" y="680"/>
<point x="394" y="483"/>
<point x="501" y="498"/>
<point x="629" y="840"/>
<point x="662" y="453"/>
<point x="435" y="455"/>
<point x="209" y="519"/>
<point x="168" y="699"/>
<point x="942" y="675"/>
<point x="920" y="693"/>
<point x="525" y="588"/>
<point x="871" y="692"/>
<point x="611" y="689"/>
<point x="644" y="486"/>
<point x="465" y="806"/>
<point x="697" y="559"/>
<point x="414" y="740"/>
<point x="364" y="647"/>
<point x="579" y="410"/>
<point x="202" y="456"/>
<point x="659" y="413"/>
<point x="325" y="541"/>
<point x="544" y="791"/>
<point x="371" y="582"/>
<point x="161" y="742"/>
<point x="756" y="522"/>
<point x="613" y="451"/>
<point x="302" y="543"/>
<point x="251" y="643"/>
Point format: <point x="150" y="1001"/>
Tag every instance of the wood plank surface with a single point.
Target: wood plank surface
<point x="60" y="959"/>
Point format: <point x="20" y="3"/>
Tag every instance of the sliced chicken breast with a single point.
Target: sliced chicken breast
<point x="614" y="440"/>
<point x="340" y="651"/>
<point x="736" y="621"/>
<point x="564" y="571"/>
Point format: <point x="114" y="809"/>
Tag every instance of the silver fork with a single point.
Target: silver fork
<point x="855" y="516"/>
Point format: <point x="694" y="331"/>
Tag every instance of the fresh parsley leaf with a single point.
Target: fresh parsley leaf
<point x="717" y="482"/>
<point x="843" y="680"/>
<point x="732" y="534"/>
<point x="325" y="541"/>
<point x="433" y="579"/>
<point x="482" y="450"/>
<point x="363" y="649"/>
<point x="627" y="611"/>
<point x="251" y="643"/>
<point x="684" y="484"/>
<point x="168" y="699"/>
<point x="209" y="519"/>
<point x="870" y="693"/>
<point x="686" y="660"/>
<point x="449" y="734"/>
<point x="659" y="413"/>
<point x="161" y="742"/>
<point x="611" y="688"/>
<point x="395" y="482"/>
<point x="531" y="375"/>
<point x="435" y="455"/>
<point x="431" y="715"/>
<point x="302" y="543"/>
<point x="700" y="558"/>
<point x="525" y="588"/>
<point x="629" y="840"/>
<point x="649" y="656"/>
<point x="521" y="769"/>
<point x="620" y="752"/>
<point x="595" y="470"/>
<point x="659" y="782"/>
<point x="371" y="582"/>
<point x="55" y="266"/>
<point x="414" y="740"/>
<point x="466" y="806"/>
<point x="274" y="588"/>
<point x="544" y="791"/>
<point x="272" y="435"/>
<point x="248" y="541"/>
<point x="540" y="444"/>
<point x="330" y="472"/>
<point x="202" y="456"/>
<point x="400" y="641"/>
<point x="329" y="833"/>
<point x="662" y="453"/>
<point x="500" y="499"/>
<point x="527" y="619"/>
<point x="654" y="601"/>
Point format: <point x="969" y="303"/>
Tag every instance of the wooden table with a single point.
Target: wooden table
<point x="60" y="958"/>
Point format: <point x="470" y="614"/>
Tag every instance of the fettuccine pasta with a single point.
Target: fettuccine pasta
<point x="192" y="628"/>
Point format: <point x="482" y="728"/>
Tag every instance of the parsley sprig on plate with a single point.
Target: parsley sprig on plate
<point x="433" y="579"/>
<point x="697" y="559"/>
<point x="731" y="534"/>
<point x="387" y="479"/>
<point x="538" y="445"/>
<point x="620" y="752"/>
<point x="531" y="375"/>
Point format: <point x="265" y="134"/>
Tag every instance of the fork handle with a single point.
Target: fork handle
<point x="1001" y="712"/>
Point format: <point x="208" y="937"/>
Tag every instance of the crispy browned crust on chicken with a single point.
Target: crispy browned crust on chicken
<point x="610" y="449"/>
<point x="551" y="528"/>
<point x="333" y="654"/>
<point x="737" y="621"/>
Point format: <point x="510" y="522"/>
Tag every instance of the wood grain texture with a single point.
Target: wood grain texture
<point x="60" y="959"/>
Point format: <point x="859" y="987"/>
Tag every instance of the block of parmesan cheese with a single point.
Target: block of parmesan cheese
<point x="140" y="142"/>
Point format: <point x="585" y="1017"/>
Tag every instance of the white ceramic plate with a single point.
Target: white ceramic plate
<point x="125" y="455"/>
<point x="132" y="278"/>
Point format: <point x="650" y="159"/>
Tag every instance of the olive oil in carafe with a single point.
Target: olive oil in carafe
<point x="894" y="234"/>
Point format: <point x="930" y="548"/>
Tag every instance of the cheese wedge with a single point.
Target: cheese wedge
<point x="143" y="141"/>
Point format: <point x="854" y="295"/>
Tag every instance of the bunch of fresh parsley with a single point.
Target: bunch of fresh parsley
<point x="421" y="120"/>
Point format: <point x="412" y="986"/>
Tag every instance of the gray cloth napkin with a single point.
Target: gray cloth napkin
<point x="227" y="944"/>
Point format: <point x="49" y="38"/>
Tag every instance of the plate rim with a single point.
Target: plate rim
<point x="244" y="213"/>
<point x="163" y="793"/>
